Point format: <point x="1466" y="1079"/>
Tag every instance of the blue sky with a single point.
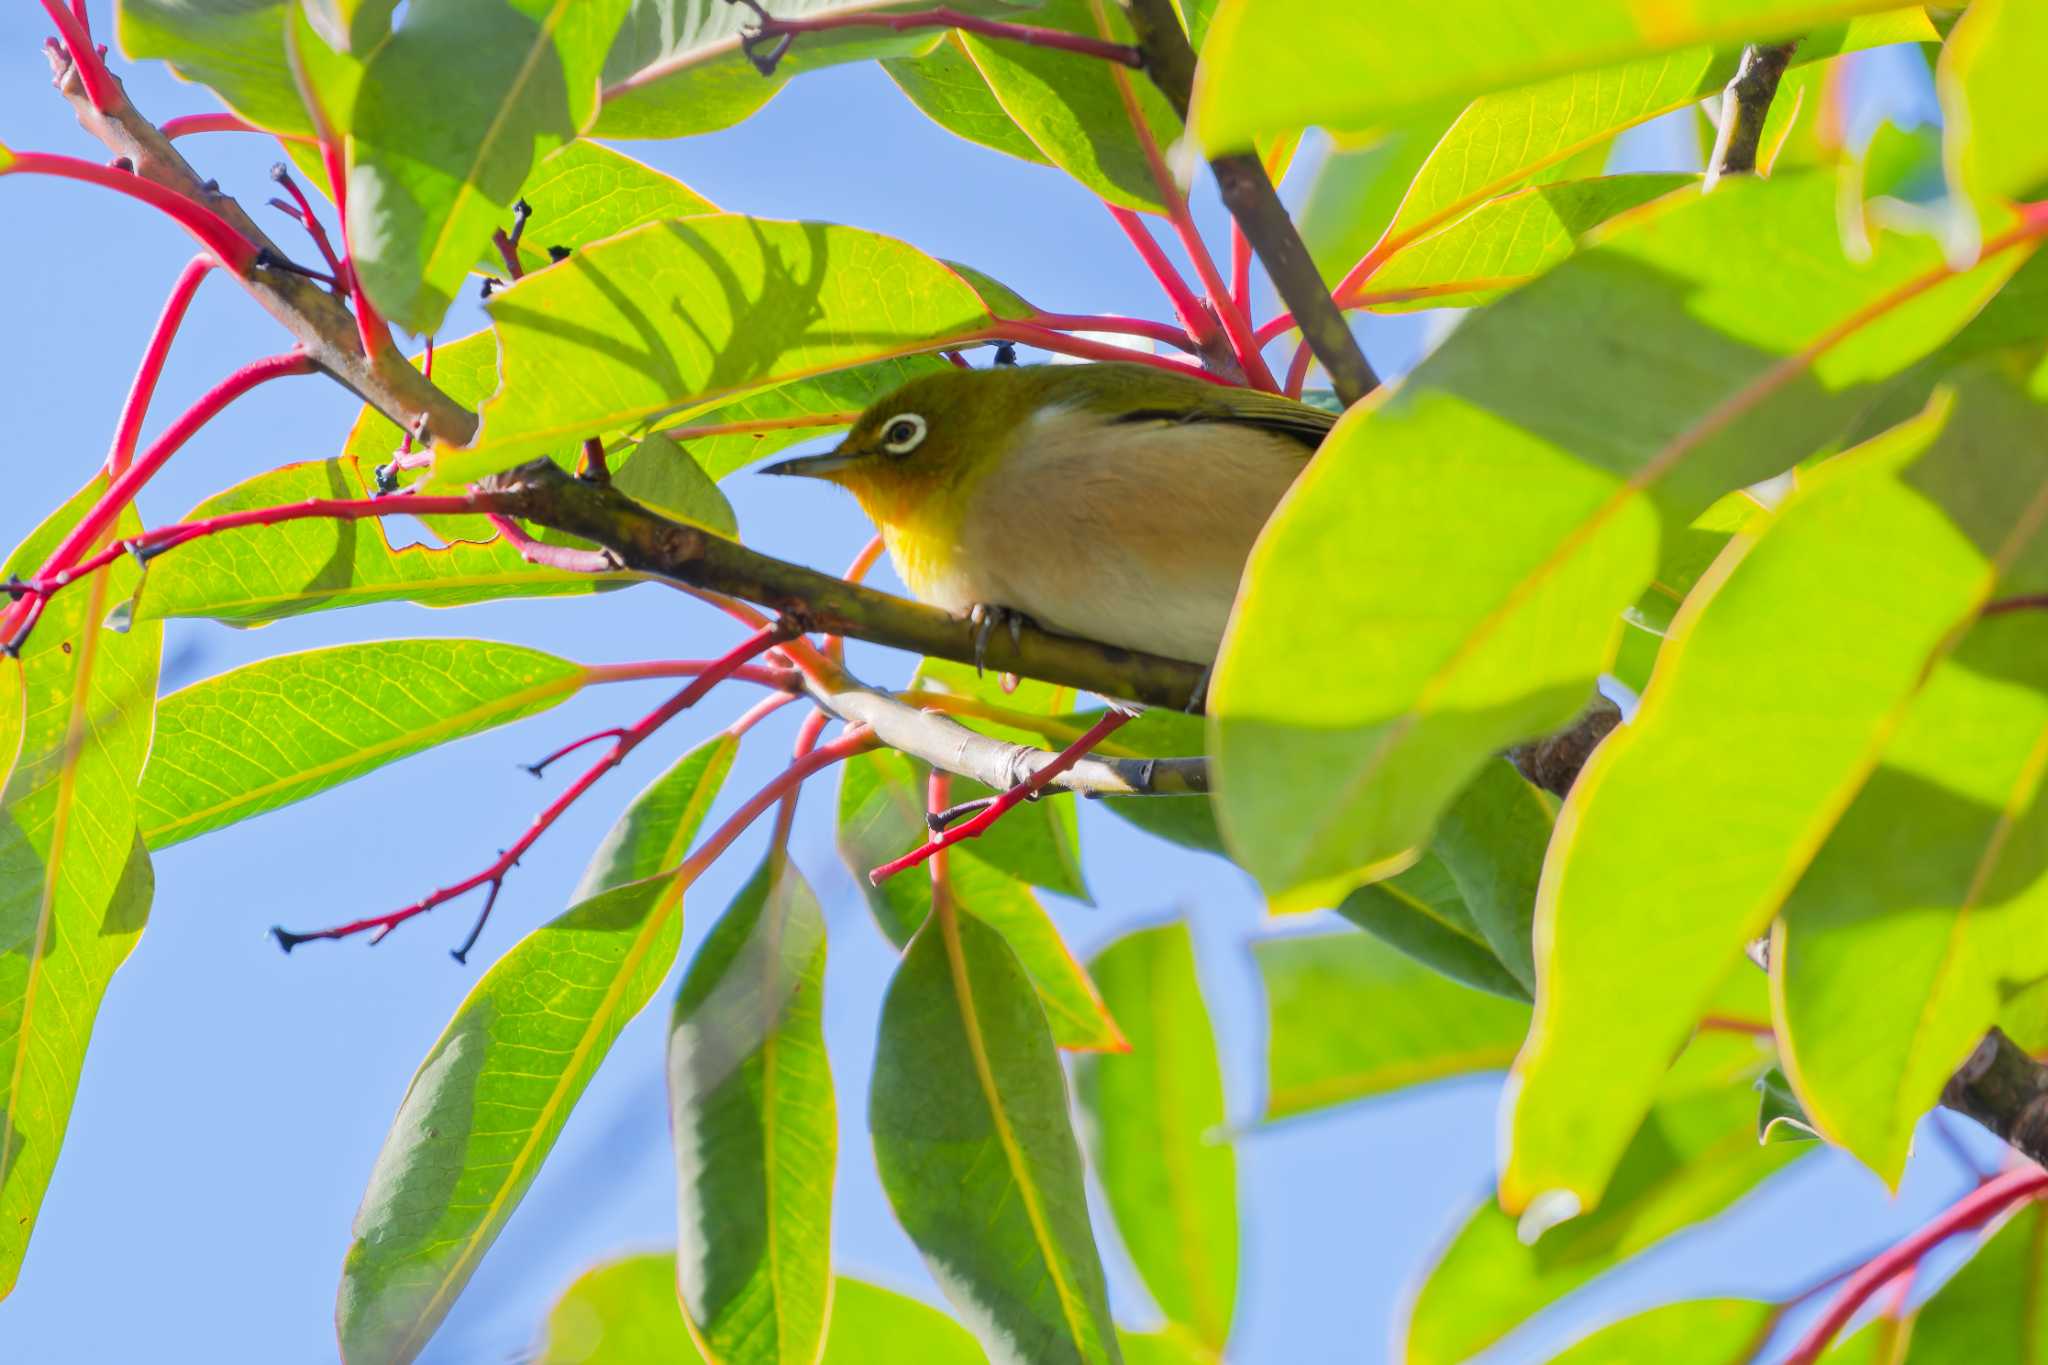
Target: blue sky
<point x="234" y="1098"/>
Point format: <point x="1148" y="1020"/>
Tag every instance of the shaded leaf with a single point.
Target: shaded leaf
<point x="1421" y="911"/>
<point x="1989" y="1311"/>
<point x="75" y="880"/>
<point x="661" y="475"/>
<point x="1778" y="1115"/>
<point x="1694" y="1157"/>
<point x="1155" y="1123"/>
<point x="234" y="47"/>
<point x="285" y="728"/>
<point x="1348" y="1018"/>
<point x="876" y="1326"/>
<point x="755" y="1128"/>
<point x="969" y="1116"/>
<point x="489" y="1101"/>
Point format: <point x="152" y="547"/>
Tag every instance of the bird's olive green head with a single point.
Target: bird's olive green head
<point x="923" y="437"/>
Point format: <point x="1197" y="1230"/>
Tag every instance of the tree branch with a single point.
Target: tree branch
<point x="1745" y="104"/>
<point x="2004" y="1089"/>
<point x="1248" y="193"/>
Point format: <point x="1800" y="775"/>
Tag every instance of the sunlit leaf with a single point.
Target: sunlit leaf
<point x="75" y="880"/>
<point x="1155" y="1124"/>
<point x="1357" y="191"/>
<point x="1275" y="65"/>
<point x="1556" y="430"/>
<point x="263" y="573"/>
<point x="1696" y="1155"/>
<point x="1994" y="102"/>
<point x="585" y="192"/>
<point x="285" y="728"/>
<point x="235" y="47"/>
<point x="1348" y="1018"/>
<point x="969" y="1115"/>
<point x="453" y="112"/>
<point x="1696" y="1329"/>
<point x="620" y="1313"/>
<point x="950" y="89"/>
<point x="486" y="1107"/>
<point x="751" y="1111"/>
<point x="753" y="303"/>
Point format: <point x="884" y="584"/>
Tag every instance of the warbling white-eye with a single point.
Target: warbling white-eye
<point x="1115" y="501"/>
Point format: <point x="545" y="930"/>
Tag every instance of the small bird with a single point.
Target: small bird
<point x="1113" y="501"/>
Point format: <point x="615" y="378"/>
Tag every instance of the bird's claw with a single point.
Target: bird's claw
<point x="986" y="616"/>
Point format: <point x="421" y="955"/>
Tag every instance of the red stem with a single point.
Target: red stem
<point x="1297" y="369"/>
<point x="759" y="712"/>
<point x="214" y="232"/>
<point x="1004" y="803"/>
<point x="1973" y="1209"/>
<point x="806" y="740"/>
<point x="834" y="647"/>
<point x="129" y="427"/>
<point x="92" y="72"/>
<point x="1164" y="333"/>
<point x="1195" y="320"/>
<point x="1029" y="334"/>
<point x="370" y="328"/>
<point x="855" y="740"/>
<point x="1240" y="268"/>
<point x="123" y="489"/>
<point x="2037" y="601"/>
<point x="311" y="221"/>
<point x="186" y="124"/>
<point x="567" y="558"/>
<point x="494" y="875"/>
<point x="1235" y="326"/>
<point x="939" y="795"/>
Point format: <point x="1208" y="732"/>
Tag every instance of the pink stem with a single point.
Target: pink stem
<point x="2037" y="601"/>
<point x="1973" y="1209"/>
<point x="806" y="740"/>
<point x="1110" y="322"/>
<point x="1240" y="268"/>
<point x="938" y="795"/>
<point x="311" y="221"/>
<point x="1004" y="803"/>
<point x="185" y="125"/>
<point x="1235" y="326"/>
<point x="834" y="647"/>
<point x="759" y="712"/>
<point x="92" y="71"/>
<point x="494" y="875"/>
<point x="370" y="328"/>
<point x="1297" y="369"/>
<point x="214" y="232"/>
<point x="855" y="740"/>
<point x="1046" y="339"/>
<point x="123" y="489"/>
<point x="129" y="427"/>
<point x="567" y="558"/>
<point x="1194" y="319"/>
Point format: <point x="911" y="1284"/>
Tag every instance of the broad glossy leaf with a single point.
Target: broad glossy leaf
<point x="263" y="573"/>
<point x="234" y="47"/>
<point x="1157" y="1136"/>
<point x="970" y="1122"/>
<point x="677" y="68"/>
<point x="1276" y="65"/>
<point x="625" y="1313"/>
<point x="1502" y="140"/>
<point x="881" y="816"/>
<point x="1420" y="911"/>
<point x="1994" y="102"/>
<point x="453" y="112"/>
<point x="950" y="89"/>
<point x="1506" y="242"/>
<point x="661" y="475"/>
<point x="1357" y="190"/>
<point x="1695" y="1156"/>
<point x="75" y="881"/>
<point x="1071" y="106"/>
<point x="287" y="727"/>
<point x="585" y="192"/>
<point x="489" y="1101"/>
<point x="1989" y="1312"/>
<point x="1348" y="1018"/>
<point x="1564" y="410"/>
<point x="752" y="304"/>
<point x="1696" y="1329"/>
<point x="755" y="1128"/>
<point x="620" y="1313"/>
<point x="1844" y="600"/>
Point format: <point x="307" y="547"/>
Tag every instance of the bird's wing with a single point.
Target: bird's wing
<point x="1250" y="408"/>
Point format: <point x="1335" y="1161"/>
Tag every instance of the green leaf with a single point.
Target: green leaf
<point x="234" y="47"/>
<point x="662" y="476"/>
<point x="1071" y="106"/>
<point x="1844" y="601"/>
<point x="1694" y="1158"/>
<point x="738" y="433"/>
<point x="1576" y="434"/>
<point x="881" y="816"/>
<point x="285" y="728"/>
<point x="264" y="573"/>
<point x="1276" y="65"/>
<point x="677" y="68"/>
<point x="1189" y="821"/>
<point x="950" y="89"/>
<point x="75" y="881"/>
<point x="620" y="1313"/>
<point x="1493" y="839"/>
<point x="756" y="304"/>
<point x="1420" y="911"/>
<point x="1989" y="1312"/>
<point x="1993" y="101"/>
<point x="1779" y="1117"/>
<point x="489" y="1101"/>
<point x="1156" y="1128"/>
<point x="454" y="111"/>
<point x="1697" y="1329"/>
<point x="1506" y="242"/>
<point x="1348" y="1018"/>
<point x="585" y="192"/>
<point x="1357" y="191"/>
<point x="969" y="1116"/>
<point x="876" y="1326"/>
<point x="751" y="1110"/>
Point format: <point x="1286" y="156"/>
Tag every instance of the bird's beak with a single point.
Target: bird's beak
<point x="825" y="466"/>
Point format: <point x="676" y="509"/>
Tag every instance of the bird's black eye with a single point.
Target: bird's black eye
<point x="902" y="433"/>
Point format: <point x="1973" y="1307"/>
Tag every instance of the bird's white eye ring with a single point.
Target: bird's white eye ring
<point x="902" y="433"/>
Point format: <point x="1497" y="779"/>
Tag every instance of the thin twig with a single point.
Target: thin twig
<point x="1745" y="104"/>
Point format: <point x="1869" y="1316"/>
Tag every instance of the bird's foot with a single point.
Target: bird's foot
<point x="986" y="616"/>
<point x="1198" y="700"/>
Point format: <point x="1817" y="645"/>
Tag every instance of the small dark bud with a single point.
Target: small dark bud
<point x="558" y="253"/>
<point x="490" y="283"/>
<point x="280" y="172"/>
<point x="286" y="939"/>
<point x="211" y="187"/>
<point x="386" y="476"/>
<point x="1006" y="353"/>
<point x="122" y="163"/>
